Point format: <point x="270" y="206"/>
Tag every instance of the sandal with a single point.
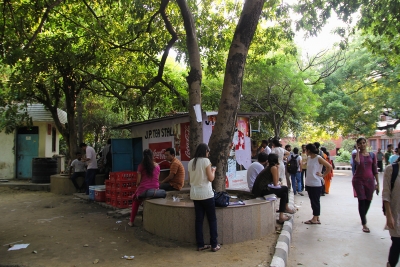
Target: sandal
<point x="284" y="220"/>
<point x="366" y="230"/>
<point x="216" y="248"/>
<point x="204" y="247"/>
<point x="292" y="211"/>
<point x="311" y="222"/>
<point x="130" y="224"/>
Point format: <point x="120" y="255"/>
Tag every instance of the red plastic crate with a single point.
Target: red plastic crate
<point x="109" y="183"/>
<point x="120" y="185"/>
<point x="123" y="176"/>
<point x="123" y="203"/>
<point x="124" y="193"/>
<point x="108" y="200"/>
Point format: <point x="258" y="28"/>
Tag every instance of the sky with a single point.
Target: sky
<point x="325" y="39"/>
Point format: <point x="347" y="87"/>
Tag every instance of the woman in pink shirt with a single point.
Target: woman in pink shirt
<point x="147" y="178"/>
<point x="363" y="180"/>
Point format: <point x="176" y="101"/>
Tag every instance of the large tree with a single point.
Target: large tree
<point x="357" y="94"/>
<point x="277" y="87"/>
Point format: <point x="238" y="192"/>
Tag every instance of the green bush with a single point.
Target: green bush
<point x="344" y="156"/>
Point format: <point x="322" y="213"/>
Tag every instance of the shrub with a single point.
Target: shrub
<point x="343" y="156"/>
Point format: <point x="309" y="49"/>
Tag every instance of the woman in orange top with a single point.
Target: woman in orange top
<point x="329" y="175"/>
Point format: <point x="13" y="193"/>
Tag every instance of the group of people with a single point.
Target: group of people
<point x="292" y="165"/>
<point x="265" y="176"/>
<point x="87" y="166"/>
<point x="201" y="175"/>
<point x="148" y="173"/>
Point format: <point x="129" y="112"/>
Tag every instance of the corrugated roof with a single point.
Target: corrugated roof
<point x="181" y="115"/>
<point x="39" y="113"/>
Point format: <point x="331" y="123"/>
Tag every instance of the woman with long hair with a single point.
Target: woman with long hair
<point x="147" y="178"/>
<point x="201" y="174"/>
<point x="314" y="177"/>
<point x="363" y="181"/>
<point x="282" y="154"/>
<point x="329" y="175"/>
<point x="267" y="182"/>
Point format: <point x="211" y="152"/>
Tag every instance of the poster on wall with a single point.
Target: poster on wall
<point x="211" y="121"/>
<point x="184" y="142"/>
<point x="158" y="153"/>
<point x="242" y="131"/>
<point x="235" y="180"/>
<point x="177" y="139"/>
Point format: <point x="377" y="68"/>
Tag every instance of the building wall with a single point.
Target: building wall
<point x="45" y="140"/>
<point x="7" y="144"/>
<point x="7" y="159"/>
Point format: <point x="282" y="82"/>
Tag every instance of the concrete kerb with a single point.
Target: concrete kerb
<point x="282" y="247"/>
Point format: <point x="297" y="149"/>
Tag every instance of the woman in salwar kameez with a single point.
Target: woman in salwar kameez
<point x="363" y="181"/>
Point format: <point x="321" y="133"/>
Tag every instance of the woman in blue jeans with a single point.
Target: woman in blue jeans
<point x="201" y="174"/>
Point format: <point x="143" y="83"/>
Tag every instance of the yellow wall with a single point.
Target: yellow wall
<point x="7" y="158"/>
<point x="7" y="143"/>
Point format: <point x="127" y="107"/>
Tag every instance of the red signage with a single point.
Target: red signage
<point x="185" y="150"/>
<point x="158" y="153"/>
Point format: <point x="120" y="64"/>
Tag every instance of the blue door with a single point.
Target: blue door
<point x="126" y="154"/>
<point x="27" y="149"/>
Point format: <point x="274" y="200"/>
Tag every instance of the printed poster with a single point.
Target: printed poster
<point x="184" y="141"/>
<point x="158" y="153"/>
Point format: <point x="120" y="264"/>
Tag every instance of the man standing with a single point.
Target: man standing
<point x="304" y="158"/>
<point x="264" y="147"/>
<point x="287" y="174"/>
<point x="91" y="162"/>
<point x="255" y="168"/>
<point x="176" y="177"/>
<point x="379" y="159"/>
<point x="391" y="202"/>
<point x="106" y="155"/>
<point x="388" y="153"/>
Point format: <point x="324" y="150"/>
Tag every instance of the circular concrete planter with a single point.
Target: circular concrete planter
<point x="175" y="220"/>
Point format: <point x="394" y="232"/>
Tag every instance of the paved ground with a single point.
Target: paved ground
<point x="339" y="241"/>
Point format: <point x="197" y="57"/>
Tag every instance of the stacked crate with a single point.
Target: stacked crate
<point x="120" y="188"/>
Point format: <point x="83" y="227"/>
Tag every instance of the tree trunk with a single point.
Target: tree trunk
<point x="194" y="77"/>
<point x="221" y="137"/>
<point x="79" y="113"/>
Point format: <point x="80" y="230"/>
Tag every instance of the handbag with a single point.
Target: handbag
<point x="221" y="199"/>
<point x="153" y="193"/>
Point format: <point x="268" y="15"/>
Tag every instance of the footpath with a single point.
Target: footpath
<point x="339" y="240"/>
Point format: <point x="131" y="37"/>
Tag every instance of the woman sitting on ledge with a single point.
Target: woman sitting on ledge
<point x="267" y="182"/>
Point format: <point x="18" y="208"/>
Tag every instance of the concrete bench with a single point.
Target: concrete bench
<point x="61" y="184"/>
<point x="176" y="220"/>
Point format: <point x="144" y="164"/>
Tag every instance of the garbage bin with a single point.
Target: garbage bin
<point x="42" y="169"/>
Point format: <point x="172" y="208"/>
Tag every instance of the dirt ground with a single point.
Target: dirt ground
<point x="66" y="231"/>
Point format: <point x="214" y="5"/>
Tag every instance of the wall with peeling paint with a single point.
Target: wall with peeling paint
<point x="7" y="158"/>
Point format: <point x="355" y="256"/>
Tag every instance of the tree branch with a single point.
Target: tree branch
<point x="43" y="20"/>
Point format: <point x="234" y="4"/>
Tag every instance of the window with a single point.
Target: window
<point x="53" y="139"/>
<point x="384" y="143"/>
<point x="372" y="144"/>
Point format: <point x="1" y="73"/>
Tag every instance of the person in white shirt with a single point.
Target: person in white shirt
<point x="91" y="162"/>
<point x="314" y="179"/>
<point x="79" y="171"/>
<point x="201" y="175"/>
<point x="255" y="168"/>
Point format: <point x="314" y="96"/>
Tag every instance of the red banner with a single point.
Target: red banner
<point x="185" y="150"/>
<point x="158" y="153"/>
